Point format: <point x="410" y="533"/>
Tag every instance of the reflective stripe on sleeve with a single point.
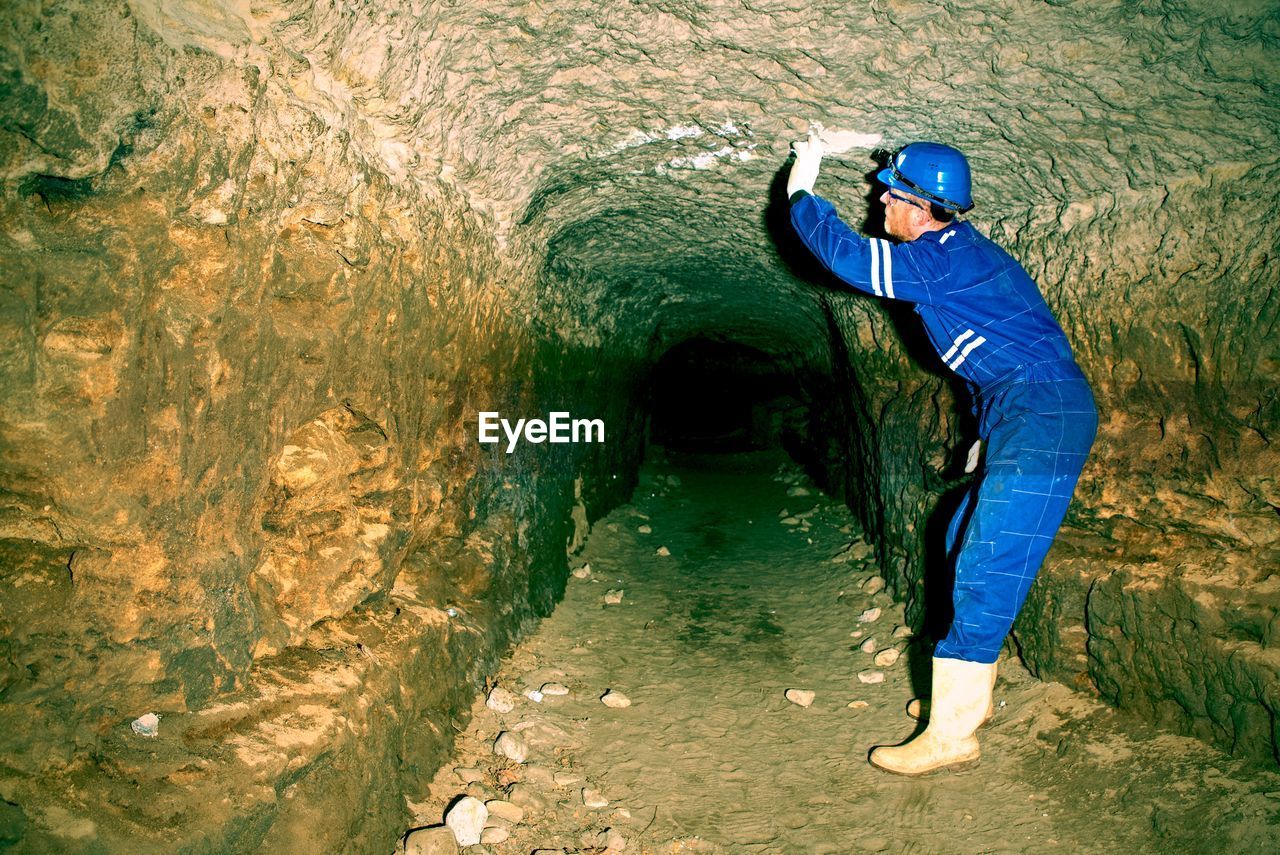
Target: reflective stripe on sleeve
<point x="964" y="354"/>
<point x="875" y="267"/>
<point x="888" y="268"/>
<point x="946" y="357"/>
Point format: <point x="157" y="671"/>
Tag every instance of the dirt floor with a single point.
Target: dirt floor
<point x="738" y="583"/>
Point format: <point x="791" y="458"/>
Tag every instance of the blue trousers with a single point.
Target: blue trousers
<point x="1037" y="430"/>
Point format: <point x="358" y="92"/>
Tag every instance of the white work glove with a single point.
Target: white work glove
<point x="804" y="172"/>
<point x="971" y="462"/>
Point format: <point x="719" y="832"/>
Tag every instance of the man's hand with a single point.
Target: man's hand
<point x="971" y="463"/>
<point x="804" y="172"/>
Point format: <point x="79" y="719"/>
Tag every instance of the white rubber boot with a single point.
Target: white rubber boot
<point x="960" y="700"/>
<point x="918" y="709"/>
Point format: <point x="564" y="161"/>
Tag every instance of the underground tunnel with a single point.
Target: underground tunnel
<point x="264" y="587"/>
<point x="714" y="396"/>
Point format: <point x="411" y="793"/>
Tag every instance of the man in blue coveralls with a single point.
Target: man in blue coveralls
<point x="1036" y="414"/>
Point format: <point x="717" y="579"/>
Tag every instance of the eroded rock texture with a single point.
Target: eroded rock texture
<point x="263" y="264"/>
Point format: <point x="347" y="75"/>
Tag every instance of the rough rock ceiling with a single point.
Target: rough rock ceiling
<point x="1054" y="102"/>
<point x="633" y="144"/>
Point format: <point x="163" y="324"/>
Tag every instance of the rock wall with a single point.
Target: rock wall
<point x="1183" y="475"/>
<point x="242" y="370"/>
<point x="263" y="265"/>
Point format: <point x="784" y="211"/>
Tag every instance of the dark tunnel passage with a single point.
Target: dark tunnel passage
<point x="708" y="395"/>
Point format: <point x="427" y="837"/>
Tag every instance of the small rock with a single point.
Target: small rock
<point x="797" y="491"/>
<point x="582" y="572"/>
<point x="539" y="732"/>
<point x="800" y="697"/>
<point x="662" y="550"/>
<point x="512" y="746"/>
<point x="534" y="695"/>
<point x="535" y="774"/>
<point x="871" y="676"/>
<point x="886" y="657"/>
<point x="494" y="834"/>
<point x="871" y="614"/>
<point x="566" y="779"/>
<point x="478" y="789"/>
<point x="644" y="529"/>
<point x="791" y="521"/>
<point x="505" y="810"/>
<point x="466" y="820"/>
<point x="857" y="633"/>
<point x="526" y="797"/>
<point x="436" y="840"/>
<point x="874" y="585"/>
<point x="784" y="513"/>
<point x="609" y="840"/>
<point x="617" y="700"/>
<point x="592" y="798"/>
<point x="869" y="646"/>
<point x="146" y="725"/>
<point x="858" y="705"/>
<point x="855" y="551"/>
<point x="613" y="596"/>
<point x="501" y="700"/>
<point x="554" y="689"/>
<point x="903" y="631"/>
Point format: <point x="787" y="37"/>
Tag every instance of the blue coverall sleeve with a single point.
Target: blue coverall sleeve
<point x="910" y="271"/>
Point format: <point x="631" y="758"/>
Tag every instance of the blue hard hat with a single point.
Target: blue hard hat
<point x="932" y="171"/>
